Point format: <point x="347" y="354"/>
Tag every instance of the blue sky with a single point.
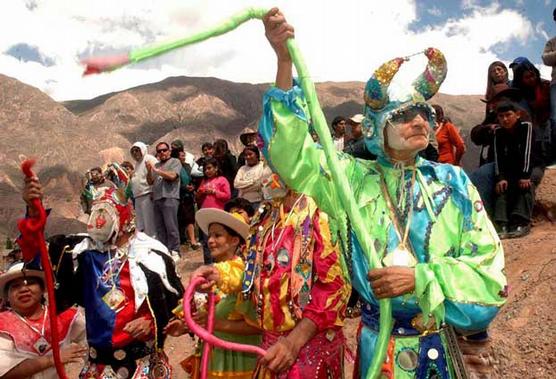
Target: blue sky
<point x="538" y="12"/>
<point x="42" y="41"/>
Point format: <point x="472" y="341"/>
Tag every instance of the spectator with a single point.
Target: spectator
<point x="450" y="143"/>
<point x="213" y="192"/>
<point x="248" y="137"/>
<point x="226" y="161"/>
<point x="241" y="206"/>
<point x="165" y="179"/>
<point x="128" y="168"/>
<point x="356" y="145"/>
<point x="95" y="182"/>
<point x="142" y="190"/>
<point x="536" y="92"/>
<point x="208" y="150"/>
<point x="250" y="177"/>
<point x="514" y="158"/>
<point x="483" y="135"/>
<point x="497" y="74"/>
<point x="186" y="210"/>
<point x="549" y="59"/>
<point x="339" y="132"/>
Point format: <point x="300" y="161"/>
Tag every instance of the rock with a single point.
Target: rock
<point x="545" y="198"/>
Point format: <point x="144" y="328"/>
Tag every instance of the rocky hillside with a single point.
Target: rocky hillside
<point x="68" y="138"/>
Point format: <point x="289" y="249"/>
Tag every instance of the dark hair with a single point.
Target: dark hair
<point x="337" y="120"/>
<point x="96" y="169"/>
<point x="254" y="149"/>
<point x="127" y="164"/>
<point x="554" y="14"/>
<point x="520" y="70"/>
<point x="220" y="147"/>
<point x="506" y="106"/>
<point x="214" y="162"/>
<point x="439" y="113"/>
<point x="206" y="145"/>
<point x="162" y="143"/>
<point x="241" y="203"/>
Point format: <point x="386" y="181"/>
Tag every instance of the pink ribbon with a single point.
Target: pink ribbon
<point x="206" y="335"/>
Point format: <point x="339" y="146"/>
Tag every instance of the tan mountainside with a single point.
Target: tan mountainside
<point x="68" y="138"/>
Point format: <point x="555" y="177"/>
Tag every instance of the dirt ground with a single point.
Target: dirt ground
<point x="523" y="334"/>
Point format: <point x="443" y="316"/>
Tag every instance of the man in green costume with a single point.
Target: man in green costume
<point x="443" y="259"/>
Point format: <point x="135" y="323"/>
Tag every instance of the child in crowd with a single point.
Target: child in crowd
<point x="213" y="192"/>
<point x="514" y="159"/>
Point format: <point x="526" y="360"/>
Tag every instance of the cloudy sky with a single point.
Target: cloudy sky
<point x="42" y="41"/>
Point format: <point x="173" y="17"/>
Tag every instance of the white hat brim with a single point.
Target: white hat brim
<point x="207" y="216"/>
<point x="10" y="275"/>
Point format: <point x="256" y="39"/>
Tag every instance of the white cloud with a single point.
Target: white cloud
<point x="341" y="40"/>
<point x="435" y="11"/>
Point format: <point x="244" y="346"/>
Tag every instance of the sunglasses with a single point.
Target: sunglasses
<point x="161" y="151"/>
<point x="409" y="114"/>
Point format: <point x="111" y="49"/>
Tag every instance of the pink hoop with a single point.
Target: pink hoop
<point x="206" y="335"/>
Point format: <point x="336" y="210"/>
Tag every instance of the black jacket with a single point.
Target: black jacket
<point x="514" y="151"/>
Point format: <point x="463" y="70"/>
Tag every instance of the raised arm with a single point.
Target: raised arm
<point x="284" y="127"/>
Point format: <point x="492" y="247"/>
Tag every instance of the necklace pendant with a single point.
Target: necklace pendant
<point x="41" y="346"/>
<point x="400" y="256"/>
<point x="115" y="299"/>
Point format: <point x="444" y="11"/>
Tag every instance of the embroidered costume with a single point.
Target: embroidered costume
<point x="118" y="285"/>
<point x="428" y="216"/>
<point x="22" y="339"/>
<point x="294" y="270"/>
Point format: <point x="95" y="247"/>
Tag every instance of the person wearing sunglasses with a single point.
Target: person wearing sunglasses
<point x="164" y="177"/>
<point x="424" y="221"/>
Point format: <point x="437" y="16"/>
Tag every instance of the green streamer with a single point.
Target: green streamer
<point x="319" y="122"/>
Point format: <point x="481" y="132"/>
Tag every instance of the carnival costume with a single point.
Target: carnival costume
<point x="428" y="216"/>
<point x="294" y="270"/>
<point x="22" y="338"/>
<point x="121" y="284"/>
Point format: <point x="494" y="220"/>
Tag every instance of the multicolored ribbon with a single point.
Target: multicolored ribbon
<point x="97" y="65"/>
<point x="32" y="243"/>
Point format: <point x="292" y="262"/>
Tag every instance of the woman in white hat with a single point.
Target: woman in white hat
<point x="226" y="235"/>
<point x="25" y="337"/>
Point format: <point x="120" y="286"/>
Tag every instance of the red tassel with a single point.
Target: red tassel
<point x="32" y="243"/>
<point x="96" y="65"/>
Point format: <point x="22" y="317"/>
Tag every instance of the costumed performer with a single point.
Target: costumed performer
<point x="25" y="336"/>
<point x="226" y="236"/>
<point x="295" y="287"/>
<point x="128" y="285"/>
<point x="426" y="220"/>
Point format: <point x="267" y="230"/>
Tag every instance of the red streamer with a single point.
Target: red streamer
<point x="32" y="243"/>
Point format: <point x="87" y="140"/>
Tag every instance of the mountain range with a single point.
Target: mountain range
<point x="67" y="138"/>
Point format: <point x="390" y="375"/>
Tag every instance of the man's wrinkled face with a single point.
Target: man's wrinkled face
<point x="408" y="131"/>
<point x="136" y="153"/>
